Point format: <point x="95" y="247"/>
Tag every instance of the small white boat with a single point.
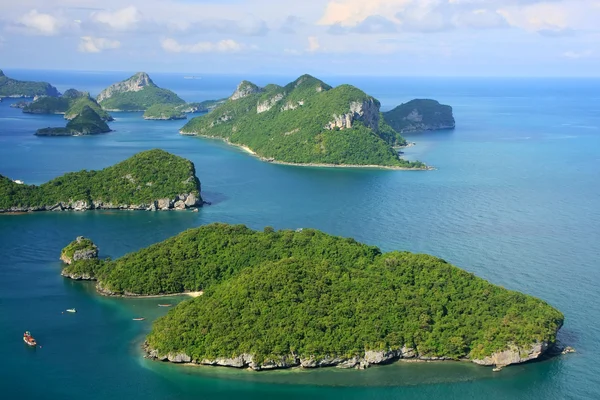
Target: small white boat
<point x="71" y="310"/>
<point x="139" y="319"/>
<point x="165" y="305"/>
<point x="497" y="369"/>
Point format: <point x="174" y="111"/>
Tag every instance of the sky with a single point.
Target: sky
<point x="345" y="37"/>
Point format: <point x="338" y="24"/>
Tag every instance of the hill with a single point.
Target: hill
<point x="150" y="180"/>
<point x="71" y="104"/>
<point x="305" y="122"/>
<point x="136" y="93"/>
<point x="287" y="298"/>
<point x="165" y="112"/>
<point x="87" y="122"/>
<point x="15" y="88"/>
<point x="420" y="115"/>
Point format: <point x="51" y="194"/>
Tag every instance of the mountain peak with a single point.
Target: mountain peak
<point x="245" y="88"/>
<point x="2" y="73"/>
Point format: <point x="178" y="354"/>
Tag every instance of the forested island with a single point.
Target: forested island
<point x="71" y="104"/>
<point x="150" y="180"/>
<point x="305" y="122"/>
<point x="165" y="112"/>
<point x="136" y="93"/>
<point x="420" y="115"/>
<point x="87" y="122"/>
<point x="278" y="299"/>
<point x="14" y="88"/>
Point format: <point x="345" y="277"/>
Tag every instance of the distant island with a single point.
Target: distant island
<point x="15" y="88"/>
<point x="279" y="299"/>
<point x="71" y="104"/>
<point x="150" y="180"/>
<point x="420" y="115"/>
<point x="87" y="122"/>
<point x="165" y="112"/>
<point x="136" y="93"/>
<point x="306" y="122"/>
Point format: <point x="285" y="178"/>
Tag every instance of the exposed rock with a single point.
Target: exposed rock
<point x="514" y="355"/>
<point x="268" y="104"/>
<point x="179" y="358"/>
<point x="244" y="89"/>
<point x="88" y="253"/>
<point x="367" y="112"/>
<point x="133" y="84"/>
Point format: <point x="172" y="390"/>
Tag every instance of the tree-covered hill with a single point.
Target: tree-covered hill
<point x="151" y="179"/>
<point x="305" y="122"/>
<point x="14" y="88"/>
<point x="420" y="115"/>
<point x="286" y="298"/>
<point x="136" y="93"/>
<point x="71" y="104"/>
<point x="165" y="112"/>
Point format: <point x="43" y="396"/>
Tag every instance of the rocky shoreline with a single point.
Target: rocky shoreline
<point x="181" y="202"/>
<point x="513" y="355"/>
<point x="273" y="161"/>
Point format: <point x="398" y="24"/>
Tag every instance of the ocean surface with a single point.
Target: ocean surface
<point x="515" y="199"/>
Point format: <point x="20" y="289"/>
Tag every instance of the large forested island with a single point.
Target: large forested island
<point x="276" y="299"/>
<point x="14" y="88"/>
<point x="136" y="93"/>
<point x="150" y="180"/>
<point x="420" y="115"/>
<point x="305" y="122"/>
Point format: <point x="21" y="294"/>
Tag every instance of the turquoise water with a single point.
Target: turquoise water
<point x="515" y="199"/>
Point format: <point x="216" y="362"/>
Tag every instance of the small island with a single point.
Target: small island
<point x="306" y="122"/>
<point x="151" y="180"/>
<point x="136" y="93"/>
<point x="80" y="256"/>
<point x="14" y="88"/>
<point x="420" y="115"/>
<point x="87" y="122"/>
<point x="164" y="112"/>
<point x="71" y="104"/>
<point x="280" y="299"/>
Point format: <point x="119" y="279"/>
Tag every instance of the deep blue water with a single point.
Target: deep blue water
<point x="515" y="199"/>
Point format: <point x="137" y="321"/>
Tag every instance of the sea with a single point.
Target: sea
<point x="514" y="198"/>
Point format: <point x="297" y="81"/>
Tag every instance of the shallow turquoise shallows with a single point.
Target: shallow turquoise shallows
<point x="515" y="199"/>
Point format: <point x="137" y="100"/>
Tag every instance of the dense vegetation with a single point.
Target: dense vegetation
<point x="275" y="293"/>
<point x="136" y="93"/>
<point x="87" y="122"/>
<point x="13" y="87"/>
<point x="420" y="115"/>
<point x="164" y="111"/>
<point x="292" y="124"/>
<point x="141" y="179"/>
<point x="81" y="244"/>
<point x="71" y="104"/>
<point x="203" y="106"/>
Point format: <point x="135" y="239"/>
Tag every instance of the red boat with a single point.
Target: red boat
<point x="28" y="339"/>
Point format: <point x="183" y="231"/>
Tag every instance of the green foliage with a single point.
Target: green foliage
<point x="202" y="107"/>
<point x="141" y="179"/>
<point x="48" y="105"/>
<point x="13" y="87"/>
<point x="78" y="104"/>
<point x="420" y="115"/>
<point x="272" y="294"/>
<point x="87" y="268"/>
<point x="141" y="100"/>
<point x="88" y="122"/>
<point x="164" y="111"/>
<point x="80" y="243"/>
<point x="291" y="127"/>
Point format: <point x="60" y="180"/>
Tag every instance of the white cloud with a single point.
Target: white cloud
<point x="124" y="19"/>
<point x="223" y="46"/>
<point x="578" y="54"/>
<point x="480" y="19"/>
<point x="40" y="23"/>
<point x="89" y="44"/>
<point x="313" y="44"/>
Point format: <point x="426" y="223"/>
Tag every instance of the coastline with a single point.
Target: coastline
<point x="272" y="161"/>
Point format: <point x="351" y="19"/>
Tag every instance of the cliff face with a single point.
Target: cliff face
<point x="366" y="111"/>
<point x="420" y="115"/>
<point x="134" y="84"/>
<point x="245" y="89"/>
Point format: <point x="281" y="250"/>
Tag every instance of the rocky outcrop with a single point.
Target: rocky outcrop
<point x="180" y="202"/>
<point x="88" y="253"/>
<point x="134" y="84"/>
<point x="366" y="111"/>
<point x="245" y="89"/>
<point x="514" y="355"/>
<point x="269" y="103"/>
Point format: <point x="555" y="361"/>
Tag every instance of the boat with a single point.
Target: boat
<point x="497" y="369"/>
<point x="139" y="319"/>
<point x="71" y="310"/>
<point x="28" y="339"/>
<point x="165" y="305"/>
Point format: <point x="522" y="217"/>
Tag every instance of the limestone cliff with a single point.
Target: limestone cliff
<point x="134" y="84"/>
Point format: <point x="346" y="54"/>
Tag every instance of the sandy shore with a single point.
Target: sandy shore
<point x="250" y="151"/>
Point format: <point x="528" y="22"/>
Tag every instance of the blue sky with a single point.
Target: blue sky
<point x="346" y="37"/>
